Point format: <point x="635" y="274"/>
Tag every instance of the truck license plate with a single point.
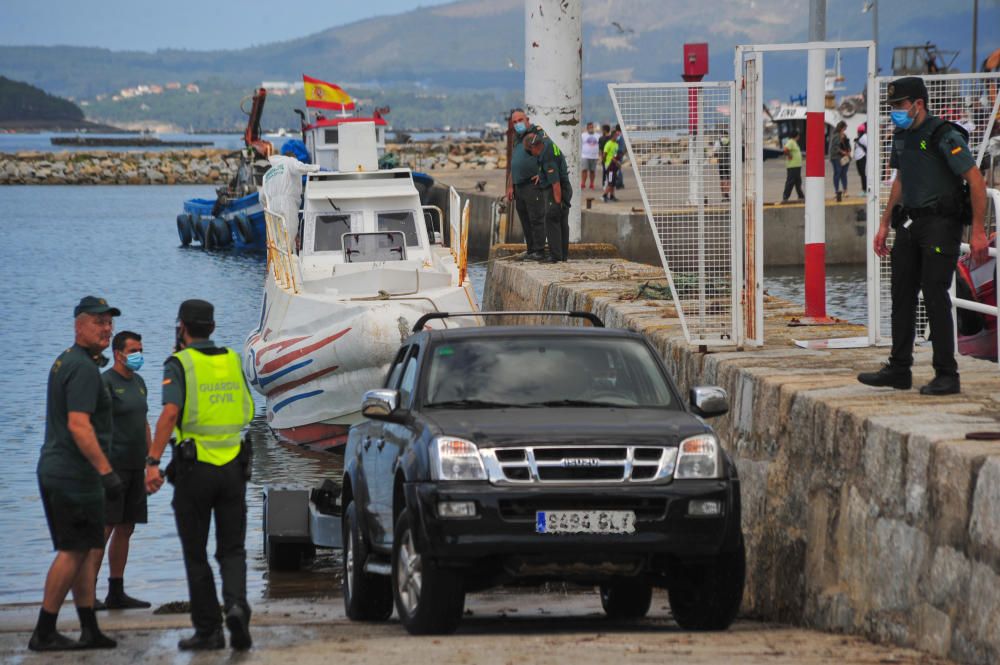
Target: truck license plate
<point x="585" y="521"/>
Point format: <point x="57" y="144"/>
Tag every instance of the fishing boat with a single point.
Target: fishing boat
<point x="234" y="219"/>
<point x="345" y="284"/>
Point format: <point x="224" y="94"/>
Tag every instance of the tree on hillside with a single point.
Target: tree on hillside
<point x="21" y="101"/>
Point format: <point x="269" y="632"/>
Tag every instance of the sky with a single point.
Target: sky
<point x="146" y="25"/>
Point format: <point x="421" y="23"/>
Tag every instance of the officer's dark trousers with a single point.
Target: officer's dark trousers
<point x="199" y="491"/>
<point x="557" y="225"/>
<point x="923" y="259"/>
<point x="530" y="204"/>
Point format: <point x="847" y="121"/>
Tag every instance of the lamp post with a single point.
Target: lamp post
<point x="872" y="6"/>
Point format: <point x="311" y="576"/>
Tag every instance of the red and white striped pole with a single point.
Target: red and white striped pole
<point x="815" y="223"/>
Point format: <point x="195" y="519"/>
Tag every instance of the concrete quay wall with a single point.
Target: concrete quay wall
<point x="865" y="510"/>
<point x="784" y="231"/>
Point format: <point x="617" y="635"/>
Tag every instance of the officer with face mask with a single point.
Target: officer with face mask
<point x="925" y="209"/>
<point x="528" y="198"/>
<point x="130" y="441"/>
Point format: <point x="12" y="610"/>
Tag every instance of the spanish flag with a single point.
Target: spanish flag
<point x="323" y="95"/>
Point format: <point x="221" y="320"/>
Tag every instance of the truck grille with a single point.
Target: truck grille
<point x="572" y="465"/>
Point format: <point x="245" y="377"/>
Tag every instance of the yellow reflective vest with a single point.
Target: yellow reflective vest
<point x="217" y="404"/>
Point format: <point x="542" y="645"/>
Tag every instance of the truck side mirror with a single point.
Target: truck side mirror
<point x="708" y="401"/>
<point x="380" y="404"/>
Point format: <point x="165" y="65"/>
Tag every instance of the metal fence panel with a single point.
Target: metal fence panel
<point x="969" y="99"/>
<point x="678" y="140"/>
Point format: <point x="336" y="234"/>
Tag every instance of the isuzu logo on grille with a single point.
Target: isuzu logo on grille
<point x="574" y="462"/>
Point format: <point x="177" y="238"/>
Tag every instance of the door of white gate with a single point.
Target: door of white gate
<point x="678" y="141"/>
<point x="750" y="134"/>
<point x="969" y="99"/>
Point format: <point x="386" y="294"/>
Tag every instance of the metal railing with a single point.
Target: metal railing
<point x="280" y="256"/>
<point x="972" y="305"/>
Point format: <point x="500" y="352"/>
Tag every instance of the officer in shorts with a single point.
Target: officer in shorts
<point x="74" y="477"/>
<point x="129" y="448"/>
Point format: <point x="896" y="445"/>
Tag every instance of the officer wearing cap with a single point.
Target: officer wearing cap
<point x="74" y="477"/>
<point x="207" y="402"/>
<point x="553" y="179"/>
<point x="925" y="209"/>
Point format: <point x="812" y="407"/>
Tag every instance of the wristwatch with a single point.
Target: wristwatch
<point x="152" y="461"/>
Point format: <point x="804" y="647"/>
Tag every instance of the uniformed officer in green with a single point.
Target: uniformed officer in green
<point x="529" y="200"/>
<point x="206" y="404"/>
<point x="129" y="448"/>
<point x="931" y="160"/>
<point x="553" y="178"/>
<point x="75" y="476"/>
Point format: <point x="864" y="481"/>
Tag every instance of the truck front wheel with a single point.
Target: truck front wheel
<point x="429" y="600"/>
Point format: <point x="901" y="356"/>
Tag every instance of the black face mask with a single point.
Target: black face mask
<point x="178" y="339"/>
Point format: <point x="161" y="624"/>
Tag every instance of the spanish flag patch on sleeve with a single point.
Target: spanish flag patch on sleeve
<point x="167" y="382"/>
<point x="956" y="150"/>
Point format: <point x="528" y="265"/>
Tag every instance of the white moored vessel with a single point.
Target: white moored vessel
<point x="335" y="309"/>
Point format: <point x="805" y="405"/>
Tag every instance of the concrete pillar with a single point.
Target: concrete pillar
<point x="553" y="82"/>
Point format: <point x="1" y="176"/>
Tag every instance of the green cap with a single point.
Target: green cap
<point x="197" y="312"/>
<point x="95" y="305"/>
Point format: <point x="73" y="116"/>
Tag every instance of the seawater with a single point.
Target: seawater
<point x="63" y="242"/>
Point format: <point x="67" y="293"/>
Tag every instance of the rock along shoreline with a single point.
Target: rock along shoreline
<point x="208" y="166"/>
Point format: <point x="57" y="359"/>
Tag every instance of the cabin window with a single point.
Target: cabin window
<point x="330" y="137"/>
<point x="402" y="222"/>
<point x="362" y="247"/>
<point x="330" y="230"/>
<point x="379" y="135"/>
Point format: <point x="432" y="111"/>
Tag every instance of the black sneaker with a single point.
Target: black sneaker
<point x="99" y="605"/>
<point x="239" y="628"/>
<point x="95" y="639"/>
<point x="888" y="376"/>
<point x="123" y="601"/>
<point x="943" y="384"/>
<point x="203" y="641"/>
<point x="55" y="641"/>
<point x="534" y="256"/>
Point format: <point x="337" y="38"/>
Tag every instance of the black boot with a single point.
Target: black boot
<point x="91" y="636"/>
<point x="943" y="384"/>
<point x="46" y="638"/>
<point x="119" y="600"/>
<point x="203" y="641"/>
<point x="888" y="376"/>
<point x="239" y="628"/>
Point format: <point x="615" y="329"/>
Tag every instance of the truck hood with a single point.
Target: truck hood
<point x="565" y="425"/>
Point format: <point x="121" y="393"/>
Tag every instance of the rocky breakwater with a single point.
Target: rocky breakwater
<point x="102" y="167"/>
<point x="865" y="510"/>
<point x="455" y="155"/>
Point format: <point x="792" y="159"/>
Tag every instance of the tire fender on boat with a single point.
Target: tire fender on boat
<point x="244" y="231"/>
<point x="204" y="226"/>
<point x="184" y="230"/>
<point x="221" y="236"/>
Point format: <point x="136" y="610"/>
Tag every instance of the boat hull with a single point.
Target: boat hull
<point x="313" y="357"/>
<point x="246" y="229"/>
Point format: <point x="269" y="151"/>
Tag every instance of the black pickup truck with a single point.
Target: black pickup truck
<point x="507" y="455"/>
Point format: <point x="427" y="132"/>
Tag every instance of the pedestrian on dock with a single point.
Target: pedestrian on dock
<point x="620" y="139"/>
<point x="601" y="142"/>
<point x="840" y="157"/>
<point x="529" y="200"/>
<point x="206" y="399"/>
<point x="928" y="209"/>
<point x="612" y="164"/>
<point x="861" y="156"/>
<point x="75" y="477"/>
<point x="553" y="180"/>
<point x="725" y="167"/>
<point x="589" y="155"/>
<point x="793" y="167"/>
<point x="130" y="444"/>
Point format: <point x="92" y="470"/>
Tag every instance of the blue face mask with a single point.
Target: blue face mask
<point x="134" y="361"/>
<point x="901" y="118"/>
<point x="520" y="127"/>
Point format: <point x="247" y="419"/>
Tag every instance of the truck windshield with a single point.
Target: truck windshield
<point x="545" y="371"/>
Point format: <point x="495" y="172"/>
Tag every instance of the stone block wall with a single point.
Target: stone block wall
<point x="865" y="511"/>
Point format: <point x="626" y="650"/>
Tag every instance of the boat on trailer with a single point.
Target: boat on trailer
<point x="368" y="262"/>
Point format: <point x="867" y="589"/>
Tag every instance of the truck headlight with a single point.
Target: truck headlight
<point x="698" y="457"/>
<point x="456" y="459"/>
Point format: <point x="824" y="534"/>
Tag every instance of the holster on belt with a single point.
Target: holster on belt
<point x="898" y="216"/>
<point x="183" y="455"/>
<point x="246" y="457"/>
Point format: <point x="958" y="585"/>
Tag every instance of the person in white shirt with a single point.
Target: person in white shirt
<point x="589" y="154"/>
<point x="282" y="190"/>
<point x="861" y="156"/>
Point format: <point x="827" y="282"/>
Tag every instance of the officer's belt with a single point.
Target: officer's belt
<point x="936" y="210"/>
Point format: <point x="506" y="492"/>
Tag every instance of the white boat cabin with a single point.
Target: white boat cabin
<point x="325" y="137"/>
